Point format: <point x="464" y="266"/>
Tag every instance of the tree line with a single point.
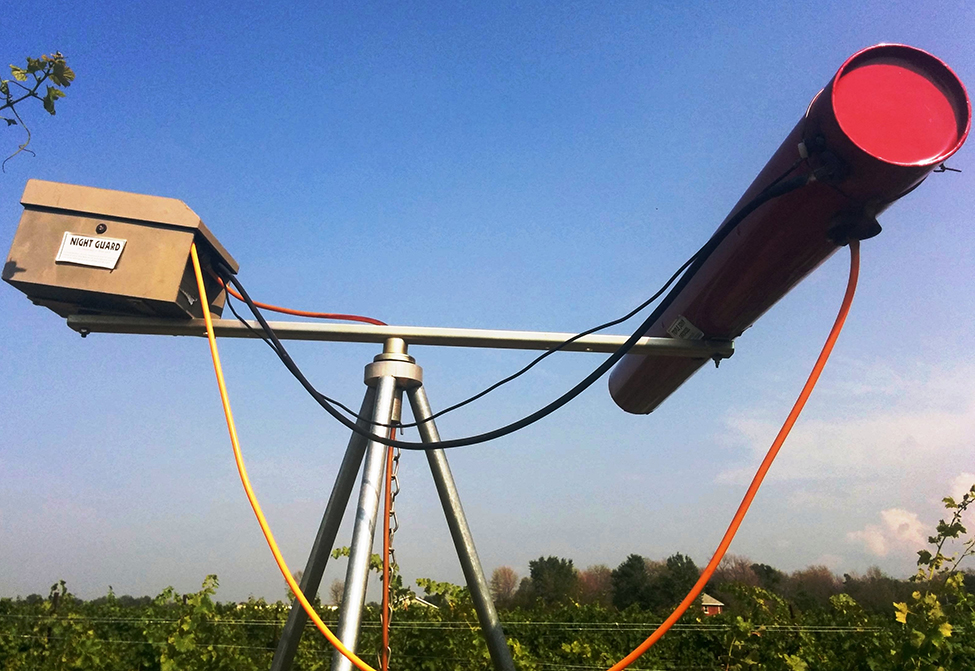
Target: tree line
<point x="657" y="585"/>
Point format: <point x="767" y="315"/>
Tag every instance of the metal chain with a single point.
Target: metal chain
<point x="393" y="523"/>
<point x="393" y="520"/>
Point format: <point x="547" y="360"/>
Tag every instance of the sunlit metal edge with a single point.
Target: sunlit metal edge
<point x="414" y="335"/>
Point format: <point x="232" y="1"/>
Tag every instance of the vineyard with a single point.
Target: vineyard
<point x="933" y="628"/>
<point x="761" y="630"/>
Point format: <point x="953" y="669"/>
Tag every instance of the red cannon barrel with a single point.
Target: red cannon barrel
<point x="890" y="115"/>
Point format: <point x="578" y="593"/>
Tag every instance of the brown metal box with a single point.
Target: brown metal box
<point x="81" y="250"/>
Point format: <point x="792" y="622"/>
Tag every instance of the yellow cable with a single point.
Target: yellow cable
<point x="351" y="656"/>
<point x="705" y="575"/>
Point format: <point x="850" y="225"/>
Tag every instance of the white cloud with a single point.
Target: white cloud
<point x="900" y="530"/>
<point x="872" y="537"/>
<point x="908" y="422"/>
<point x="960" y="485"/>
<point x="903" y="526"/>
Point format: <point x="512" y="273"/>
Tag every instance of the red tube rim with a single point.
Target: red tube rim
<point x="932" y="81"/>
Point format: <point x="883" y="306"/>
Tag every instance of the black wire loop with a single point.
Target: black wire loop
<point x="777" y="188"/>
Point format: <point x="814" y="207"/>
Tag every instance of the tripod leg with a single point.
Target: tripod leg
<point x="357" y="573"/>
<point x="311" y="579"/>
<point x="461" y="533"/>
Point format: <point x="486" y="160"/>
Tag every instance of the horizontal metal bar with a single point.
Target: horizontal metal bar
<point x="413" y="335"/>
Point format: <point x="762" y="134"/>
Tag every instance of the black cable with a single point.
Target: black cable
<point x="778" y="188"/>
<point x="534" y="362"/>
<point x="629" y="315"/>
<point x="785" y="174"/>
<point x="562" y="345"/>
<point x="250" y="328"/>
<point x="263" y="337"/>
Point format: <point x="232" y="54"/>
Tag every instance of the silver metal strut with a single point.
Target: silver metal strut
<point x="338" y="500"/>
<point x="363" y="532"/>
<point x="461" y="534"/>
<point x="387" y="377"/>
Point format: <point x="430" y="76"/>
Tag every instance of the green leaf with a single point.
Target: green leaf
<point x="19" y="73"/>
<point x="945" y="629"/>
<point x="61" y="74"/>
<point x="956" y="581"/>
<point x="10" y="122"/>
<point x="795" y="663"/>
<point x="950" y="530"/>
<point x="900" y="612"/>
<point x="184" y="643"/>
<point x="52" y="95"/>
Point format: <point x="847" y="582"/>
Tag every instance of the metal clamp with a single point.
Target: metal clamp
<point x="396" y="363"/>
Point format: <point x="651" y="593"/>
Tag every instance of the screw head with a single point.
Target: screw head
<point x="101" y="228"/>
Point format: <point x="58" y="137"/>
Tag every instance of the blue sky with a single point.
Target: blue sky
<point x="526" y="165"/>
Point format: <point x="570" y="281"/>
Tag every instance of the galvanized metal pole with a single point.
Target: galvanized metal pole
<point x="357" y="573"/>
<point x="311" y="579"/>
<point x="461" y="533"/>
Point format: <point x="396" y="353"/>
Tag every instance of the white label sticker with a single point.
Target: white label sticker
<point x="87" y="251"/>
<point x="684" y="329"/>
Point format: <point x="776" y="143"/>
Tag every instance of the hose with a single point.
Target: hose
<point x="790" y="421"/>
<point x="705" y="574"/>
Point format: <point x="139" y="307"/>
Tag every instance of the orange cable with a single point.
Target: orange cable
<point x="762" y="470"/>
<point x="242" y="470"/>
<point x="705" y="574"/>
<point x="301" y="313"/>
<point x="387" y="614"/>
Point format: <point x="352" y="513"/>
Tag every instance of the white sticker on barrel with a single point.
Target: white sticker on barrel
<point x="685" y="330"/>
<point x="85" y="250"/>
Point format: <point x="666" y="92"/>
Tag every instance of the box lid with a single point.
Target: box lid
<point x="124" y="205"/>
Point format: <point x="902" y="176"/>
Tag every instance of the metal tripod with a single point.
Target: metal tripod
<point x="387" y="377"/>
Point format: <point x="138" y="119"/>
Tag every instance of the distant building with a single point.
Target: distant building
<point x="711" y="605"/>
